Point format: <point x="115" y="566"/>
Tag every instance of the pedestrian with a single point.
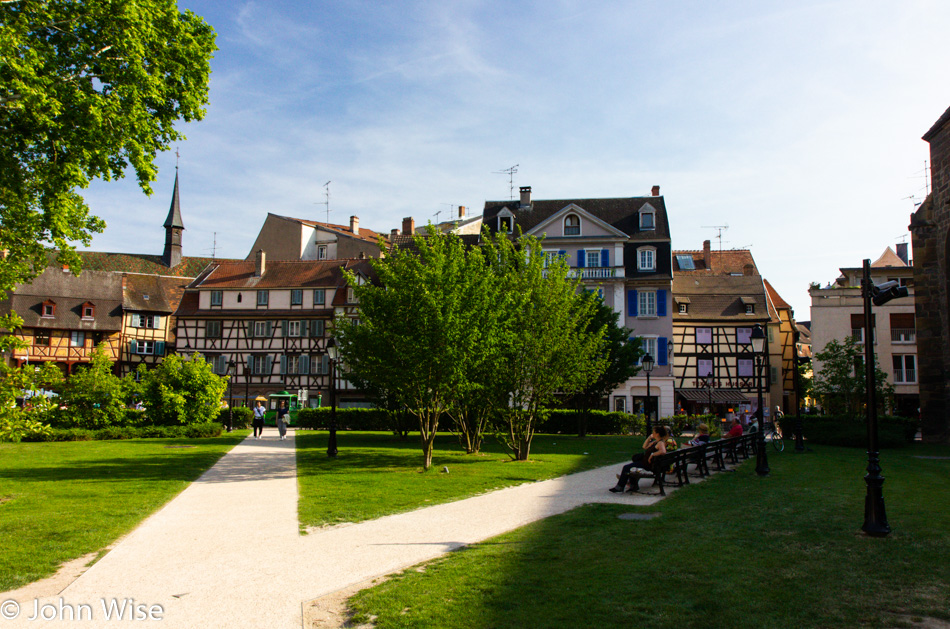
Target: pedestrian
<point x="282" y="420"/>
<point x="259" y="411"/>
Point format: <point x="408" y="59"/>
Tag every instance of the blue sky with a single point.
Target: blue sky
<point x="797" y="124"/>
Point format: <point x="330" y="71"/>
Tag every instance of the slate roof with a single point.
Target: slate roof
<point x="174" y="212"/>
<point x="69" y="293"/>
<point x="142" y="263"/>
<point x="621" y="213"/>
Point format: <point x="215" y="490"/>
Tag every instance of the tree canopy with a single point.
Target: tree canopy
<point x="840" y="383"/>
<point x="87" y="89"/>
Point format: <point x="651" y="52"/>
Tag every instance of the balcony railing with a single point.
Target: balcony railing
<point x="595" y="273"/>
<point x="903" y="335"/>
<point x="905" y="376"/>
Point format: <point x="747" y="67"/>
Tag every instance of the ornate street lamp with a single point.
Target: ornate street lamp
<point x="647" y="362"/>
<point x="332" y="353"/>
<point x="758" y="347"/>
<point x="231" y="370"/>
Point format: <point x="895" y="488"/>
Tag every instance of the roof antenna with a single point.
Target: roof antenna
<point x="511" y="179"/>
<point x="719" y="229"/>
<point x="177" y="156"/>
<point x="326" y="188"/>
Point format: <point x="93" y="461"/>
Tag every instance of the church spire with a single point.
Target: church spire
<point x="173" y="228"/>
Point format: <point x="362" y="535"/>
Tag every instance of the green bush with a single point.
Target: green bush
<point x="558" y="421"/>
<point x="241" y="417"/>
<point x="346" y="419"/>
<point x="191" y="431"/>
<point x="893" y="432"/>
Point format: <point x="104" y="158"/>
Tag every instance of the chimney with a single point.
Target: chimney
<point x="408" y="226"/>
<point x="461" y="211"/>
<point x="125" y="279"/>
<point x="902" y="252"/>
<point x="656" y="191"/>
<point x="355" y="225"/>
<point x="259" y="263"/>
<point x="707" y="259"/>
<point x="393" y="234"/>
<point x="525" y="196"/>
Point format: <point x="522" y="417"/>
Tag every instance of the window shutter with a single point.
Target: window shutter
<point x="160" y="348"/>
<point x="268" y="364"/>
<point x="132" y="346"/>
<point x="661" y="350"/>
<point x="604" y="257"/>
<point x="249" y="330"/>
<point x="305" y="364"/>
<point x="581" y="261"/>
<point x="562" y="253"/>
<point x="661" y="303"/>
<point x="283" y="327"/>
<point x="316" y="327"/>
<point x="268" y="331"/>
<point x="304" y="329"/>
<point x="632" y="303"/>
<point x="283" y="363"/>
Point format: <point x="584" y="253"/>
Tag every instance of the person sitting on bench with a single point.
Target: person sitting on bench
<point x="652" y="446"/>
<point x="702" y="436"/>
<point x="736" y="430"/>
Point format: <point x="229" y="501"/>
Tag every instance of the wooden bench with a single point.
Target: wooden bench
<point x="675" y="463"/>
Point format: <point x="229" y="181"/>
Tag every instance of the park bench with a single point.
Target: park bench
<point x="675" y="463"/>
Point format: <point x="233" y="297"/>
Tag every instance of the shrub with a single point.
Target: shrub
<point x="346" y="419"/>
<point x="241" y="417"/>
<point x="893" y="432"/>
<point x="557" y="421"/>
<point x="93" y="396"/>
<point x="181" y="391"/>
<point x="191" y="431"/>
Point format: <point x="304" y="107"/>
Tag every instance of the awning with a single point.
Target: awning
<point x="718" y="396"/>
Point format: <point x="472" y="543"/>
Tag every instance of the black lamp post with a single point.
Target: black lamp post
<point x="332" y="353"/>
<point x="230" y="394"/>
<point x="758" y="347"/>
<point x="709" y="389"/>
<point x="875" y="518"/>
<point x="647" y="362"/>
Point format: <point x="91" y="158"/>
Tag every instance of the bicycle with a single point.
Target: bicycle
<point x="772" y="434"/>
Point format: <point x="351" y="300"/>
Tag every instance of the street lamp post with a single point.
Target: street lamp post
<point x="648" y="363"/>
<point x="332" y="354"/>
<point x="709" y="389"/>
<point x="231" y="370"/>
<point x="758" y="347"/>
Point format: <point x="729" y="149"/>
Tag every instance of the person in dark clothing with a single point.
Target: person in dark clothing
<point x="653" y="445"/>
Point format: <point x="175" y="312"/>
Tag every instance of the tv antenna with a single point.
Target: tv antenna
<point x="511" y="179"/>
<point x="326" y="188"/>
<point x="719" y="229"/>
<point x="438" y="212"/>
<point x="214" y="245"/>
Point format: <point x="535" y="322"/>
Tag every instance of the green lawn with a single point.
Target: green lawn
<point x="736" y="551"/>
<point x="375" y="474"/>
<point x="59" y="501"/>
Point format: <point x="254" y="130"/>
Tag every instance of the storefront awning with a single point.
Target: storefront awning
<point x="718" y="396"/>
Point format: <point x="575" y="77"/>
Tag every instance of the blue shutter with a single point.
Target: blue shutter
<point x="631" y="303"/>
<point x="581" y="261"/>
<point x="160" y="348"/>
<point x="268" y="364"/>
<point x="604" y="257"/>
<point x="249" y="330"/>
<point x="132" y="347"/>
<point x="283" y="327"/>
<point x="283" y="363"/>
<point x="304" y="328"/>
<point x="661" y="350"/>
<point x="661" y="303"/>
<point x="562" y="253"/>
<point x="305" y="364"/>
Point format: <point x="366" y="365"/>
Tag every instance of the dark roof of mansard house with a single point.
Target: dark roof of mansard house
<point x="189" y="267"/>
<point x="279" y="274"/>
<point x="941" y="121"/>
<point x="720" y="297"/>
<point x="728" y="262"/>
<point x="153" y="293"/>
<point x="621" y="213"/>
<point x="69" y="293"/>
<point x="407" y="242"/>
<point x="364" y="234"/>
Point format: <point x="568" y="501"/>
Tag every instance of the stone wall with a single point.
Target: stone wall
<point x="930" y="236"/>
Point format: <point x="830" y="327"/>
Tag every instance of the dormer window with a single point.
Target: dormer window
<point x="321" y="252"/>
<point x="48" y="308"/>
<point x="504" y="224"/>
<point x="572" y="225"/>
<point x="647" y="220"/>
<point x="88" y="310"/>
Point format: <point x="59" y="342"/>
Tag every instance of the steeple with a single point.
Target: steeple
<point x="173" y="228"/>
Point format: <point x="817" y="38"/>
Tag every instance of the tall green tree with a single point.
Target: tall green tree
<point x="416" y="329"/>
<point x="840" y="383"/>
<point x="87" y="89"/>
<point x="621" y="353"/>
<point x="548" y="345"/>
<point x="93" y="395"/>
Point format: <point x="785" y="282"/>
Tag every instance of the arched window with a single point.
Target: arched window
<point x="572" y="225"/>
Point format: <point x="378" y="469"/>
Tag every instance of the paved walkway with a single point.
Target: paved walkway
<point x="227" y="551"/>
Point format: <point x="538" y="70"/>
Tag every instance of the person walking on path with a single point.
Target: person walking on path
<point x="259" y="411"/>
<point x="282" y="420"/>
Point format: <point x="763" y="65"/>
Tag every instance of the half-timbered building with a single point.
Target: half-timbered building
<point x="267" y="323"/>
<point x="620" y="248"/>
<point x="718" y="298"/>
<point x="786" y="350"/>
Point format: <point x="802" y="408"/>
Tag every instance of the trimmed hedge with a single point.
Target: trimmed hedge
<point x="893" y="432"/>
<point x="565" y="422"/>
<point x="190" y="431"/>
<point x="241" y="417"/>
<point x="346" y="419"/>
